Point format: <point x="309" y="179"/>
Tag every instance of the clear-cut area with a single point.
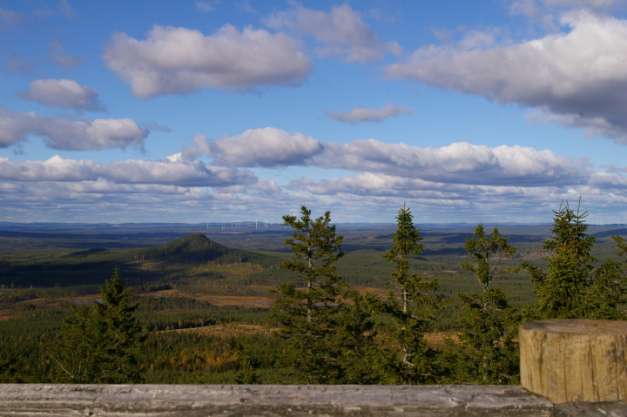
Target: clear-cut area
<point x="575" y="360"/>
<point x="45" y="400"/>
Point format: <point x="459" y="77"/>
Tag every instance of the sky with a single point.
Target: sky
<point x="212" y="110"/>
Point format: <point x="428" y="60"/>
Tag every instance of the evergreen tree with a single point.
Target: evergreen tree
<point x="489" y="352"/>
<point x="572" y="287"/>
<point x="102" y="343"/>
<point x="331" y="340"/>
<point x="414" y="316"/>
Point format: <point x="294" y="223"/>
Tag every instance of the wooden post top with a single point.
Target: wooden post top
<point x="575" y="360"/>
<point x="579" y="326"/>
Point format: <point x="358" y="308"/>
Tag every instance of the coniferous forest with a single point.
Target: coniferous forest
<point x="318" y="326"/>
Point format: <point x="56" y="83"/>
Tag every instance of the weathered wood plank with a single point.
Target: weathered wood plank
<point x="268" y="401"/>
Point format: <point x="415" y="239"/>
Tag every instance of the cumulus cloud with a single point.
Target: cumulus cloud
<point x="578" y="76"/>
<point x="173" y="60"/>
<point x="63" y="93"/>
<point x="262" y="147"/>
<point x="365" y="114"/>
<point x="341" y="32"/>
<point x="70" y="134"/>
<point x="181" y="173"/>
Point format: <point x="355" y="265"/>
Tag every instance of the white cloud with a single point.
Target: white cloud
<point x="341" y="32"/>
<point x="578" y="76"/>
<point x="175" y="60"/>
<point x="180" y="173"/>
<point x="70" y="134"/>
<point x="63" y="93"/>
<point x="263" y="147"/>
<point x="365" y="114"/>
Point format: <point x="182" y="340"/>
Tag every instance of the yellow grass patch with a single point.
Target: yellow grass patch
<point x="439" y="339"/>
<point x="228" y="330"/>
<point x="251" y="301"/>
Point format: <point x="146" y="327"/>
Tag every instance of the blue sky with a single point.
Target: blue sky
<point x="496" y="110"/>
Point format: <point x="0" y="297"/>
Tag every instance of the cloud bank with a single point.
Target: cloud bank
<point x="181" y="173"/>
<point x="459" y="162"/>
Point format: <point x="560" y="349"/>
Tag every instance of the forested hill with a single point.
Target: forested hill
<point x="197" y="248"/>
<point x="94" y="265"/>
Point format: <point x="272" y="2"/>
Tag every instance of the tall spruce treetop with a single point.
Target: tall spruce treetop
<point x="490" y="354"/>
<point x="405" y="244"/>
<point x="329" y="338"/>
<point x="415" y="362"/>
<point x="316" y="248"/>
<point x="102" y="343"/>
<point x="120" y="331"/>
<point x="481" y="248"/>
<point x="560" y="291"/>
<point x="572" y="287"/>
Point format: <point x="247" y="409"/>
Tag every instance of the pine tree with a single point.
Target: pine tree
<point x="490" y="355"/>
<point x="76" y="356"/>
<point x="330" y="339"/>
<point x="316" y="248"/>
<point x="102" y="343"/>
<point x="120" y="332"/>
<point x="414" y="316"/>
<point x="572" y="287"/>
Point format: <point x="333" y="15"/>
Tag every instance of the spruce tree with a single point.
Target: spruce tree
<point x="414" y="315"/>
<point x="121" y="333"/>
<point x="489" y="352"/>
<point x="572" y="286"/>
<point x="331" y="339"/>
<point x="102" y="343"/>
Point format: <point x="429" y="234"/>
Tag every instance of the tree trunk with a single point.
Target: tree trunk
<point x="404" y="301"/>
<point x="309" y="285"/>
<point x="574" y="360"/>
